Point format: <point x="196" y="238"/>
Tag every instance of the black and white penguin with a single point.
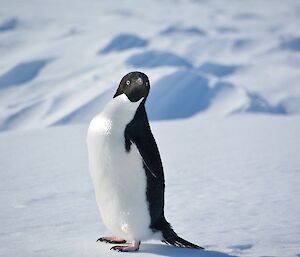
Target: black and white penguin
<point x="127" y="171"/>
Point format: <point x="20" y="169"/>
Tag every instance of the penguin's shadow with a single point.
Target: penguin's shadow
<point x="165" y="250"/>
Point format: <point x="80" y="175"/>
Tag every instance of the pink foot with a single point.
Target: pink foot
<point x="135" y="246"/>
<point x="112" y="240"/>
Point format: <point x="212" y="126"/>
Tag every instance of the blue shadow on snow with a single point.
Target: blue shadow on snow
<point x="187" y="31"/>
<point x="165" y="250"/>
<point x="185" y="93"/>
<point x="123" y="42"/>
<point x="216" y="69"/>
<point x="8" y="25"/>
<point x="178" y="95"/>
<point x="22" y="73"/>
<point x="153" y="58"/>
<point x="292" y="44"/>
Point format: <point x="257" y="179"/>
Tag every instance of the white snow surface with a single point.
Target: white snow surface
<point x="224" y="106"/>
<point x="232" y="186"/>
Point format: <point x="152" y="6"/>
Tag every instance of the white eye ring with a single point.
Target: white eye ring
<point x="127" y="82"/>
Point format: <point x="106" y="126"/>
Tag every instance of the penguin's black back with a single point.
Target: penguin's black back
<point x="138" y="132"/>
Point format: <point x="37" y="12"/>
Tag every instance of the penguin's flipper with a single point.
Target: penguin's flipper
<point x="140" y="134"/>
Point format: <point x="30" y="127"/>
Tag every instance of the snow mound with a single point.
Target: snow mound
<point x="178" y="95"/>
<point x="183" y="30"/>
<point x="227" y="29"/>
<point x="253" y="48"/>
<point x="87" y="111"/>
<point x="216" y="69"/>
<point x="292" y="44"/>
<point x="247" y="16"/>
<point x="22" y="73"/>
<point x="242" y="247"/>
<point x="183" y="94"/>
<point x="123" y="42"/>
<point x="258" y="104"/>
<point x="9" y="24"/>
<point x="22" y="116"/>
<point x="229" y="99"/>
<point x="155" y="58"/>
<point x="241" y="44"/>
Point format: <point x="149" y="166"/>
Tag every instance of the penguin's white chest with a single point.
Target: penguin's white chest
<point x="119" y="179"/>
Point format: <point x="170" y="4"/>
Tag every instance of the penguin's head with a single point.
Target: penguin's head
<point x="135" y="85"/>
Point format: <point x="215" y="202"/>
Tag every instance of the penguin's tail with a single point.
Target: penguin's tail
<point x="171" y="238"/>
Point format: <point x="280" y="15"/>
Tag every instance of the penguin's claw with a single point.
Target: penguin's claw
<point x="128" y="248"/>
<point x="111" y="240"/>
<point x="123" y="248"/>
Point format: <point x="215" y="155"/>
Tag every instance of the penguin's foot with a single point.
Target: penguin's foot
<point x="111" y="240"/>
<point x="135" y="246"/>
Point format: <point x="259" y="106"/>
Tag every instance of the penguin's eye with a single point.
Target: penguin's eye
<point x="127" y="82"/>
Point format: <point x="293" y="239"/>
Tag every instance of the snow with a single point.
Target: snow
<point x="231" y="186"/>
<point x="22" y="73"/>
<point x="152" y="59"/>
<point x="57" y="62"/>
<point x="224" y="105"/>
<point x="123" y="42"/>
<point x="184" y="93"/>
<point x="217" y="69"/>
<point x="9" y="24"/>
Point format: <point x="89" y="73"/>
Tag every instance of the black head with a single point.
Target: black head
<point x="135" y="85"/>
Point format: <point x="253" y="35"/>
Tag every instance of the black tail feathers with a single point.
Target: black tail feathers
<point x="171" y="238"/>
<point x="174" y="239"/>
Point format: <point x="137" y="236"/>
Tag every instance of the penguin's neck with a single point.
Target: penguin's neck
<point x="120" y="109"/>
<point x="119" y="112"/>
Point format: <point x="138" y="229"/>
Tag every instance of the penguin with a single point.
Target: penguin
<point x="127" y="171"/>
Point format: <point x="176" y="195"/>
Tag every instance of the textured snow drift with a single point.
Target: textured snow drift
<point x="8" y="25"/>
<point x="185" y="93"/>
<point x="231" y="186"/>
<point x="216" y="69"/>
<point x="57" y="64"/>
<point x="22" y="73"/>
<point x="188" y="31"/>
<point x="123" y="42"/>
<point x="151" y="59"/>
<point x="291" y="44"/>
